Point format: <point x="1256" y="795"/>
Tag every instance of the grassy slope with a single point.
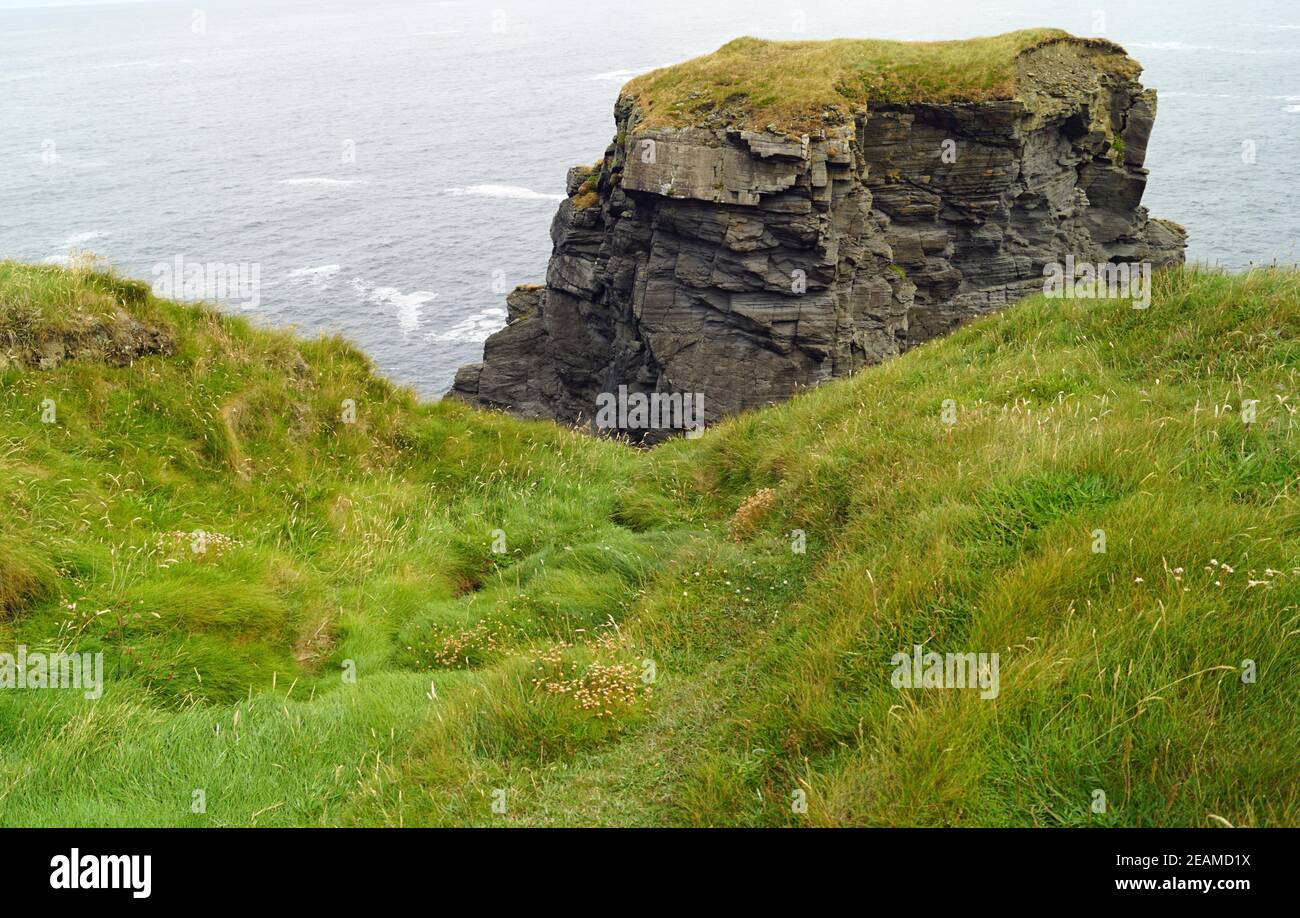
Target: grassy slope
<point x="477" y="672"/>
<point x="791" y="83"/>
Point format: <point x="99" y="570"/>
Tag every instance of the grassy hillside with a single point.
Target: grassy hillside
<point x="348" y="648"/>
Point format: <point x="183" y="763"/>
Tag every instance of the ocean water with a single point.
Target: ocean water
<point x="391" y="168"/>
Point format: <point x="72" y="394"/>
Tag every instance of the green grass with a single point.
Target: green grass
<point x="798" y="85"/>
<point x="349" y="649"/>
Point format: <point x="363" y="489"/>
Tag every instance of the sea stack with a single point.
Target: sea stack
<point x="779" y="214"/>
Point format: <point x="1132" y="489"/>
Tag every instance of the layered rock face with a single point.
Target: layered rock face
<point x="745" y="264"/>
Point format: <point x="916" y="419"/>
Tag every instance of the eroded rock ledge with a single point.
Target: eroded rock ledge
<point x="744" y="264"/>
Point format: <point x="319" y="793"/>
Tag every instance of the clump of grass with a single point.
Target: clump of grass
<point x="25" y="577"/>
<point x="446" y="647"/>
<point x="598" y="686"/>
<point x="750" y="513"/>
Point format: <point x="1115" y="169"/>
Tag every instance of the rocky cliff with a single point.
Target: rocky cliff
<point x="742" y="241"/>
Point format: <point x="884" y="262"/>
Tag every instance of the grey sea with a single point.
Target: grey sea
<point x="391" y="167"/>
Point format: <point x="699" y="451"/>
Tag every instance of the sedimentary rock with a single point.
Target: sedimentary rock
<point x="744" y="264"/>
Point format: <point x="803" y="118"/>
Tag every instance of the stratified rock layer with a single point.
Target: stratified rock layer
<point x="744" y="265"/>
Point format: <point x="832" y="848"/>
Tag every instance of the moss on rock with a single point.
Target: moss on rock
<point x="794" y="86"/>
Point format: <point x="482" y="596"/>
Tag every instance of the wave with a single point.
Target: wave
<point x="152" y="63"/>
<point x="318" y="276"/>
<point x="622" y="76"/>
<point x="64" y="160"/>
<point x="317" y="182"/>
<point x="77" y="239"/>
<point x="512" y="192"/>
<point x="1169" y="46"/>
<point x="1182" y="46"/>
<point x="1175" y="94"/>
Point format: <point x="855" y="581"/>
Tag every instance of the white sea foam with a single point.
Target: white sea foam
<point x="474" y="329"/>
<point x="399" y="299"/>
<point x="512" y="192"/>
<point x="406" y="306"/>
<point x="65" y="248"/>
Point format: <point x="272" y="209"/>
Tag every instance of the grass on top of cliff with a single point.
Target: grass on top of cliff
<point x="321" y="601"/>
<point x="795" y="85"/>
